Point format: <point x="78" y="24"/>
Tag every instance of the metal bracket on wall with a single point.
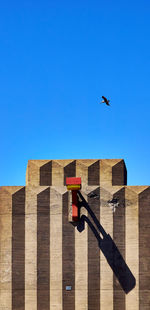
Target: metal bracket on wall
<point x="73" y="185"/>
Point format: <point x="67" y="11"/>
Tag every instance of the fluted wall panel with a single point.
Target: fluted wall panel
<point x="99" y="263"/>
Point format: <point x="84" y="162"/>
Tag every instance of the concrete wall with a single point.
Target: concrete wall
<point x="105" y="258"/>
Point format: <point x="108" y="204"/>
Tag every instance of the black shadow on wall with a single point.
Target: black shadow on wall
<point x="108" y="247"/>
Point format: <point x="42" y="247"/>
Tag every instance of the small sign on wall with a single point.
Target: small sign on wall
<point x="68" y="288"/>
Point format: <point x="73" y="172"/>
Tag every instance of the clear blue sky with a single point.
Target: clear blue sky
<point x="57" y="59"/>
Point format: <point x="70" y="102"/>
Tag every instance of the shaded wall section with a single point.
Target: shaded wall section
<point x="18" y="250"/>
<point x="144" y="250"/>
<point x="43" y="250"/>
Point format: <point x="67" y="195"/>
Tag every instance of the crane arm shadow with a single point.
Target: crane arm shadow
<point x="109" y="248"/>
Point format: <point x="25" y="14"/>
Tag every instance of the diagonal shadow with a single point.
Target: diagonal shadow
<point x="108" y="247"/>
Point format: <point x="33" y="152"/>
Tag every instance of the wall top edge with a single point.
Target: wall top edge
<point x="86" y="161"/>
<point x="72" y="159"/>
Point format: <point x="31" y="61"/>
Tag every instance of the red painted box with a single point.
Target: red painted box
<point x="73" y="181"/>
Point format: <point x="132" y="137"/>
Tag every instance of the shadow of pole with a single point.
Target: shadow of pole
<point x="108" y="247"/>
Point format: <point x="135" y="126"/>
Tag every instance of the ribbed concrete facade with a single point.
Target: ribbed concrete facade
<point x="104" y="259"/>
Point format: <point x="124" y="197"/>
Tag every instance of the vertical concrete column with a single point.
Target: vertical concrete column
<point x="132" y="243"/>
<point x="81" y="251"/>
<point x="112" y="173"/>
<point x="39" y="173"/>
<point x="33" y="173"/>
<point x="57" y="174"/>
<point x="31" y="247"/>
<point x="106" y="216"/>
<point x="55" y="250"/>
<point x="5" y="247"/>
<point x="106" y="274"/>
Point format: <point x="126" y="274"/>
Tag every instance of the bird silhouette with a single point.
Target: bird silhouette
<point x="105" y="100"/>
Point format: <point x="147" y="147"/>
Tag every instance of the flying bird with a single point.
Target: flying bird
<point x="105" y="100"/>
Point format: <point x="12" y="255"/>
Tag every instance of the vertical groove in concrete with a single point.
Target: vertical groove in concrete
<point x="93" y="173"/>
<point x="144" y="250"/>
<point x="68" y="258"/>
<point x="43" y="250"/>
<point x="70" y="170"/>
<point x="119" y="239"/>
<point x="119" y="174"/>
<point x="46" y="174"/>
<point x="94" y="257"/>
<point x="18" y="250"/>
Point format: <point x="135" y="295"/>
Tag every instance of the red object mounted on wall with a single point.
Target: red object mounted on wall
<point x="75" y="215"/>
<point x="74" y="184"/>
